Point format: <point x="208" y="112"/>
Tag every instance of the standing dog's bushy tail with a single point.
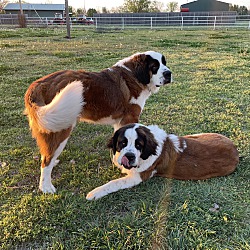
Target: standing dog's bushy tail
<point x="61" y="113"/>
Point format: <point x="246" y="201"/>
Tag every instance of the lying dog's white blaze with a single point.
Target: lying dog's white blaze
<point x="131" y="136"/>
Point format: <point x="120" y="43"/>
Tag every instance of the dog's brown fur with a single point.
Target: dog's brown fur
<point x="115" y="101"/>
<point x="142" y="152"/>
<point x="207" y="155"/>
<point x="114" y="96"/>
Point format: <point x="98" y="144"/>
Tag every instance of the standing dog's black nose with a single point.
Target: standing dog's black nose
<point x="167" y="74"/>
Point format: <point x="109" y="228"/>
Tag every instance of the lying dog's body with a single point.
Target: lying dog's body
<point x="114" y="96"/>
<point x="145" y="151"/>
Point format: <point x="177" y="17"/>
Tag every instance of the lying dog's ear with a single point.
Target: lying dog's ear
<point x="149" y="149"/>
<point x="150" y="144"/>
<point x="110" y="143"/>
<point x="113" y="142"/>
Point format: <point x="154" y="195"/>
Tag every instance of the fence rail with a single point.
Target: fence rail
<point x="181" y="22"/>
<point x="12" y="20"/>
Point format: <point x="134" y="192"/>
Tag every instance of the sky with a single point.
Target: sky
<point x="98" y="4"/>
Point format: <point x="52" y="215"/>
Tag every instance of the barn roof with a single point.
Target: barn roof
<point x="199" y="1"/>
<point x="34" y="6"/>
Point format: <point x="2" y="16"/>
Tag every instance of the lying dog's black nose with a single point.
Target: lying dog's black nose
<point x="167" y="74"/>
<point x="131" y="157"/>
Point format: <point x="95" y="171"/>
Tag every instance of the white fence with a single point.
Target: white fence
<point x="180" y="22"/>
<point x="12" y="20"/>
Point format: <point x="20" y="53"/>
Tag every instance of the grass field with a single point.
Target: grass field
<point x="211" y="93"/>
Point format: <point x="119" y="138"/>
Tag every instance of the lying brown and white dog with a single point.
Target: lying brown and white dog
<point x="114" y="96"/>
<point x="142" y="152"/>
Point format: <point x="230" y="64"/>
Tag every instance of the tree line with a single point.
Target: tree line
<point x="136" y="6"/>
<point x="133" y="6"/>
<point x="139" y="6"/>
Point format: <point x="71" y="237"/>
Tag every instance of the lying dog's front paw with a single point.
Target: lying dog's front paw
<point x="96" y="194"/>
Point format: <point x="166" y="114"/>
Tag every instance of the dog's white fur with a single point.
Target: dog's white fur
<point x="133" y="177"/>
<point x="144" y="151"/>
<point x="60" y="115"/>
<point x="69" y="101"/>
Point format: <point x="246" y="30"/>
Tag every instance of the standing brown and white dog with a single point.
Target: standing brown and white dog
<point x="145" y="151"/>
<point x="114" y="96"/>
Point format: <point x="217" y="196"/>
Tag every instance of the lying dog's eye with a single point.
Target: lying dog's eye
<point x="138" y="146"/>
<point x="124" y="143"/>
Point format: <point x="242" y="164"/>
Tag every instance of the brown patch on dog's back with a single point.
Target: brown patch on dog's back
<point x="206" y="156"/>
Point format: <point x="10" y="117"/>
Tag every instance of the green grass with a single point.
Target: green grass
<point x="211" y="93"/>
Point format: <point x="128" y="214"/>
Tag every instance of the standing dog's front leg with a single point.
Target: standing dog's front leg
<point x="115" y="185"/>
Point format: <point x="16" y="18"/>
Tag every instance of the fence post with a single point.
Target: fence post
<point x="151" y="23"/>
<point x="249" y="25"/>
<point x="123" y="23"/>
<point x="182" y="23"/>
<point x="214" y="22"/>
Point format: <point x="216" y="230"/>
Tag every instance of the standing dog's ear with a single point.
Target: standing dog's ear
<point x="142" y="68"/>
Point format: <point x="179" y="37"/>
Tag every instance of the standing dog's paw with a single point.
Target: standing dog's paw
<point x="47" y="188"/>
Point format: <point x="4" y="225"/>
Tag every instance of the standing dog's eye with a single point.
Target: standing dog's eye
<point x="154" y="69"/>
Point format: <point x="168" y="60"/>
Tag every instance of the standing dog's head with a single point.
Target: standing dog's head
<point x="134" y="145"/>
<point x="148" y="67"/>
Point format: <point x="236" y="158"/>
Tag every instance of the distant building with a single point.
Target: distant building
<point x="35" y="10"/>
<point x="205" y="5"/>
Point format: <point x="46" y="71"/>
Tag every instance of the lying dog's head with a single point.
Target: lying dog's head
<point x="148" y="67"/>
<point x="134" y="145"/>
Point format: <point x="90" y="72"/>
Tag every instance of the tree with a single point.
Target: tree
<point x="119" y="9"/>
<point x="172" y="6"/>
<point x="2" y="5"/>
<point x="104" y="10"/>
<point x="156" y="6"/>
<point x="136" y="6"/>
<point x="91" y="12"/>
<point x="70" y="10"/>
<point x="241" y="10"/>
<point x="80" y="11"/>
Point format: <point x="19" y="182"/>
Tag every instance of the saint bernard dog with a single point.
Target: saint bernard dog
<point x="114" y="96"/>
<point x="142" y="152"/>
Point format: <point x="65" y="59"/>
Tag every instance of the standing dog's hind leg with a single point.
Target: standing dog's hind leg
<point x="45" y="184"/>
<point x="51" y="145"/>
